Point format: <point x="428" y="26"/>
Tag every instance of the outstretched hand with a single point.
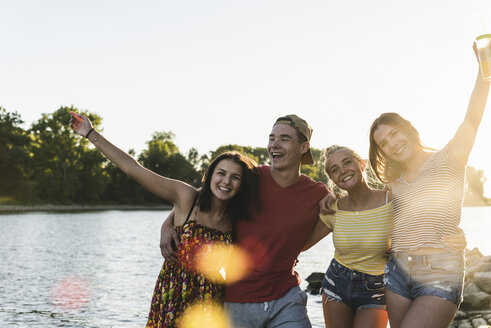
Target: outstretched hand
<point x="80" y="124"/>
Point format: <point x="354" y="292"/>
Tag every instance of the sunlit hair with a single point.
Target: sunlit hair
<point x="334" y="148"/>
<point x="386" y="169"/>
<point x="370" y="177"/>
<point x="327" y="154"/>
<point x="238" y="207"/>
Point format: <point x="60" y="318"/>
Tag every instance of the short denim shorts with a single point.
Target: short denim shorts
<point x="356" y="289"/>
<point x="440" y="274"/>
<point x="288" y="311"/>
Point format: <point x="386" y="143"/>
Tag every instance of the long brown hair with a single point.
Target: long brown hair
<point x="386" y="169"/>
<point x="239" y="206"/>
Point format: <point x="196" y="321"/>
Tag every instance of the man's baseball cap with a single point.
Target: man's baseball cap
<point x="301" y="126"/>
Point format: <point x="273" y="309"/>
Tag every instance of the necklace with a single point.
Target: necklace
<point x="351" y="208"/>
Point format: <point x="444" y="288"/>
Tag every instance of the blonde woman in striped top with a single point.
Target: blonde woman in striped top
<point x="353" y="288"/>
<point x="424" y="277"/>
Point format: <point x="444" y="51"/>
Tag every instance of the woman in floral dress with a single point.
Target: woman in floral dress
<point x="201" y="217"/>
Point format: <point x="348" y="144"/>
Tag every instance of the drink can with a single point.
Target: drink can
<point x="483" y="43"/>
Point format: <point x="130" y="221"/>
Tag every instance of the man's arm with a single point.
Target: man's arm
<point x="169" y="241"/>
<point x="319" y="232"/>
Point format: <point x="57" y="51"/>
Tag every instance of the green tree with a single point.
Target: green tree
<point x="64" y="169"/>
<point x="162" y="156"/>
<point x="121" y="188"/>
<point x="258" y="154"/>
<point x="14" y="157"/>
<point x="194" y="158"/>
<point x="316" y="170"/>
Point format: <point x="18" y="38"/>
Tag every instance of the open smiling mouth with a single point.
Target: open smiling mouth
<point x="347" y="178"/>
<point x="398" y="151"/>
<point x="276" y="155"/>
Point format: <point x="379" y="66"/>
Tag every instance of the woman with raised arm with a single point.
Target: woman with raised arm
<point x="424" y="277"/>
<point x="353" y="288"/>
<point x="201" y="217"/>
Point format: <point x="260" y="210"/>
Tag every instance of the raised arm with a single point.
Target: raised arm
<point x="319" y="232"/>
<point x="463" y="141"/>
<point x="169" y="189"/>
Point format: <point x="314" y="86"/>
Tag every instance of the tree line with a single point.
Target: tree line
<point x="48" y="163"/>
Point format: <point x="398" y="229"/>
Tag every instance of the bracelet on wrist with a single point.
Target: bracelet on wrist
<point x="87" y="135"/>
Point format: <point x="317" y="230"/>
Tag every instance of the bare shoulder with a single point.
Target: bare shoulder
<point x="343" y="203"/>
<point x="383" y="196"/>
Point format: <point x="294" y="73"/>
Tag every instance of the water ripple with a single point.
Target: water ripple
<point x="115" y="256"/>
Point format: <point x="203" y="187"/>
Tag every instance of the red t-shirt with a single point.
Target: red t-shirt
<point x="274" y="238"/>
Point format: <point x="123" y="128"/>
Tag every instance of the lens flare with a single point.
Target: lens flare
<point x="222" y="263"/>
<point x="71" y="293"/>
<point x="206" y="314"/>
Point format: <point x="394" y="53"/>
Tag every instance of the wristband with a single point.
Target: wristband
<point x="87" y="135"/>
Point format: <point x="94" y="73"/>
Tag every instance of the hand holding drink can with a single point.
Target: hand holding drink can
<point x="483" y="43"/>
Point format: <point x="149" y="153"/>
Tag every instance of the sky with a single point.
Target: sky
<point x="221" y="72"/>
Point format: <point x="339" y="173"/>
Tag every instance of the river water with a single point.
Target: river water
<point x="109" y="261"/>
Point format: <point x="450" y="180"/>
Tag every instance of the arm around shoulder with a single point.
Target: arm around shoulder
<point x="320" y="231"/>
<point x="169" y="241"/>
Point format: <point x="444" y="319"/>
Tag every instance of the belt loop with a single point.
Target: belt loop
<point x="265" y="306"/>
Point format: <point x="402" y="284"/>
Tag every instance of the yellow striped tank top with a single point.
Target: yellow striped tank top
<point x="361" y="238"/>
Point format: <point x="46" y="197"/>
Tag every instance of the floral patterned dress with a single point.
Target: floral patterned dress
<point x="180" y="285"/>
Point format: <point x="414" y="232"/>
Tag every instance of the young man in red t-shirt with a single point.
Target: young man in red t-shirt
<point x="270" y="296"/>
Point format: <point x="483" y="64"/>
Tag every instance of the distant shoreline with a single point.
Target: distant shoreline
<point x="4" y="208"/>
<point x="78" y="207"/>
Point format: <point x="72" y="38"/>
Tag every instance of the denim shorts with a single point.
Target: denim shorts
<point x="288" y="311"/>
<point x="356" y="289"/>
<point x="440" y="274"/>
